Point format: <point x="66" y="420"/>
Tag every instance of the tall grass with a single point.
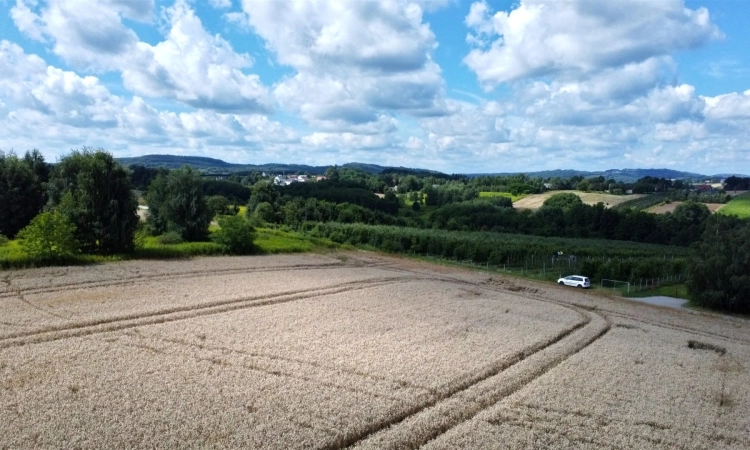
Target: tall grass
<point x="279" y="241"/>
<point x="268" y="241"/>
<point x="12" y="256"/>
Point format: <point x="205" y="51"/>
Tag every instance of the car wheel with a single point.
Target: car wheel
<point x="560" y="283"/>
<point x="580" y="285"/>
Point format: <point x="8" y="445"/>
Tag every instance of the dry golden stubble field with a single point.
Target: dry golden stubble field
<point x="670" y="207"/>
<point x="535" y="201"/>
<point x="355" y="350"/>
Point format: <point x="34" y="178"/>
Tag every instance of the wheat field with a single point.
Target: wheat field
<point x="355" y="350"/>
<point x="535" y="201"/>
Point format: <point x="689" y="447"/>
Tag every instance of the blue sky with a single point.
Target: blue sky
<point x="456" y="86"/>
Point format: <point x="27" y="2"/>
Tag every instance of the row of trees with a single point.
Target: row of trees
<point x="85" y="203"/>
<point x="458" y="209"/>
<point x="600" y="259"/>
<point x="719" y="268"/>
<point x="88" y="191"/>
<point x="565" y="215"/>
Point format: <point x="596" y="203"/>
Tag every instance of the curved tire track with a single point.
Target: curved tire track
<point x="164" y="277"/>
<point x="418" y="425"/>
<point x="180" y="313"/>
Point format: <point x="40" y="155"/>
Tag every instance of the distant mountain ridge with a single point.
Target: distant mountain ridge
<point x="625" y="175"/>
<point x="213" y="165"/>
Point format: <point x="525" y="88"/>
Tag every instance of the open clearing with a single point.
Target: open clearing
<point x="670" y="207"/>
<point x="535" y="201"/>
<point x="355" y="350"/>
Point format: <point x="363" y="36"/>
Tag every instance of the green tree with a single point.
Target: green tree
<point x="262" y="191"/>
<point x="50" y="235"/>
<point x="719" y="270"/>
<point x="218" y="204"/>
<point x="264" y="212"/>
<point x="563" y="200"/>
<point x="22" y="190"/>
<point x="235" y="234"/>
<point x="333" y="174"/>
<point x="176" y="203"/>
<point x="94" y="192"/>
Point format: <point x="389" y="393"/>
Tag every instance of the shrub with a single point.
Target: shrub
<point x="50" y="235"/>
<point x="170" y="237"/>
<point x="3" y="240"/>
<point x="236" y="235"/>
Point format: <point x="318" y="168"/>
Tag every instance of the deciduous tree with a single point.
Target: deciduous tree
<point x="94" y="192"/>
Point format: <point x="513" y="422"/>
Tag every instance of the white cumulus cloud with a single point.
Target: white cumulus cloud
<point x="354" y="60"/>
<point x="579" y="36"/>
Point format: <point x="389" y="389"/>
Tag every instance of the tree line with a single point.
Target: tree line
<point x="85" y="204"/>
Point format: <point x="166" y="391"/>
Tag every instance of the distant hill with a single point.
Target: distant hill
<point x="212" y="165"/>
<point x="624" y="175"/>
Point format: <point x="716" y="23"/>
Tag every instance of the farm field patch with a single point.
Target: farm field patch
<point x="352" y="349"/>
<point x="738" y="206"/>
<point x="535" y="201"/>
<point x="670" y="207"/>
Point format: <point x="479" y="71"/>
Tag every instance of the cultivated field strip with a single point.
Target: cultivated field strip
<point x="692" y="330"/>
<point x="434" y="394"/>
<point x="32" y="313"/>
<point x="373" y="352"/>
<point x="651" y="390"/>
<point x="54" y="284"/>
<point x="296" y="368"/>
<point x="297" y="374"/>
<point x="452" y="409"/>
<point x="178" y="313"/>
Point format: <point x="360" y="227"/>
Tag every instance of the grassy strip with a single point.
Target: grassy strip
<point x="268" y="241"/>
<point x="512" y="197"/>
<point x="739" y="206"/>
<point x="271" y="241"/>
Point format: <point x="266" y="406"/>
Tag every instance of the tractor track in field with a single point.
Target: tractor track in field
<point x="533" y="293"/>
<point x="166" y="277"/>
<point x="424" y="422"/>
<point x="94" y="326"/>
<point x="203" y="352"/>
<point x="684" y="329"/>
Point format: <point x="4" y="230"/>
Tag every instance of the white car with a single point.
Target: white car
<point x="575" y="280"/>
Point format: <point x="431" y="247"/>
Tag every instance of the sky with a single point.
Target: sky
<point x="449" y="85"/>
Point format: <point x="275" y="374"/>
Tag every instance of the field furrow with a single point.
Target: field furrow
<point x="428" y="423"/>
<point x="174" y="314"/>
